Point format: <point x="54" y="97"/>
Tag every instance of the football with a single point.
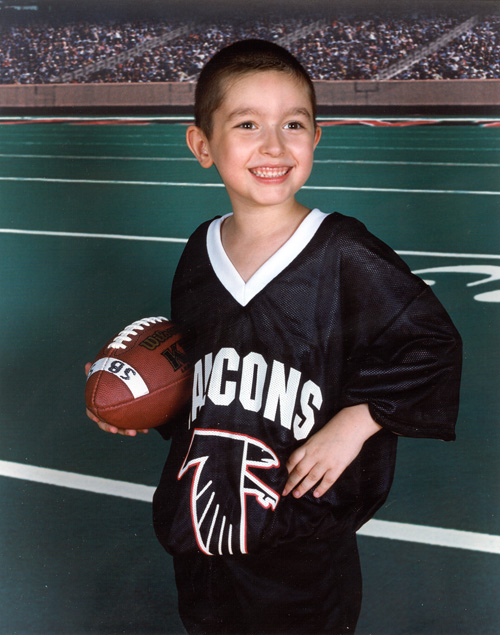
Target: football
<point x="140" y="379"/>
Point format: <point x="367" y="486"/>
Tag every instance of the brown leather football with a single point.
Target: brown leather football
<point x="140" y="379"/>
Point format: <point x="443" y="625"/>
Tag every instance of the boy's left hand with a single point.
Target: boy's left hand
<point x="325" y="455"/>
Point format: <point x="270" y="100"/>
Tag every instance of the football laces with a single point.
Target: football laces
<point x="132" y="329"/>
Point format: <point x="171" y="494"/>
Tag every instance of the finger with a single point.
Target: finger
<point x="102" y="424"/>
<point x="131" y="432"/>
<point x="329" y="478"/>
<point x="87" y="367"/>
<point x="127" y="433"/>
<point x="296" y="475"/>
<point x="309" y="481"/>
<point x="295" y="458"/>
<point x="92" y="416"/>
<point x="292" y="481"/>
<point x="121" y="431"/>
<point x="107" y="428"/>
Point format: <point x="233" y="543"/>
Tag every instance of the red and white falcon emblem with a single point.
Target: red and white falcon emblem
<point x="219" y="523"/>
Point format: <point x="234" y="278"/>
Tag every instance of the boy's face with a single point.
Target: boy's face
<point x="263" y="139"/>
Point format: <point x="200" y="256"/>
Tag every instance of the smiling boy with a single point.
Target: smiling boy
<point x="262" y="140"/>
<point x="313" y="348"/>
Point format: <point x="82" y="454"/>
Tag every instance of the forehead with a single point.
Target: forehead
<point x="265" y="91"/>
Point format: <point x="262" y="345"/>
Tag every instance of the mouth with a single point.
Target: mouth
<point x="270" y="172"/>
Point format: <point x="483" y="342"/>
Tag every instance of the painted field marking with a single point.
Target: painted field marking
<point x="79" y="157"/>
<point x="166" y="239"/>
<point x="221" y="185"/>
<point x="168" y="144"/>
<point x="437" y="536"/>
<point x="72" y="480"/>
<point x="35" y="232"/>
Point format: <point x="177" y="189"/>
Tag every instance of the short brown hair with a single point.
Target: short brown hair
<point x="240" y="58"/>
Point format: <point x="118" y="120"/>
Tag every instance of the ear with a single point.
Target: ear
<point x="317" y="135"/>
<point x="199" y="146"/>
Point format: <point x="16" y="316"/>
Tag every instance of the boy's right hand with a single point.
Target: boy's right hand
<point x="106" y="426"/>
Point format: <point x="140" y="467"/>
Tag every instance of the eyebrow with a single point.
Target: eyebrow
<point x="243" y="112"/>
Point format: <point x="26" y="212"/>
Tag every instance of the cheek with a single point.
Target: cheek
<point x="306" y="154"/>
<point x="232" y="154"/>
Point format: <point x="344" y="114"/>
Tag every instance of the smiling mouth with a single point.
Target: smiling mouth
<point x="270" y="173"/>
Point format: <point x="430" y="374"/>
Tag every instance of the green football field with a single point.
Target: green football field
<point x="93" y="219"/>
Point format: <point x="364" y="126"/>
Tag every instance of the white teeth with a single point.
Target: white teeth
<point x="269" y="173"/>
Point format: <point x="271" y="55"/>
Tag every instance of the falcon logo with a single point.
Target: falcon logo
<point x="220" y="523"/>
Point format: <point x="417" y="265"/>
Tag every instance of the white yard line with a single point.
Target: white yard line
<point x="422" y="534"/>
<point x="31" y="179"/>
<point x="34" y="232"/>
<point x="79" y="157"/>
<point x="166" y="239"/>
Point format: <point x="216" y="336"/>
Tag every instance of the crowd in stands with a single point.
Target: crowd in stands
<point x="362" y="48"/>
<point x="182" y="59"/>
<point x="38" y="54"/>
<point x="352" y="48"/>
<point x="473" y="55"/>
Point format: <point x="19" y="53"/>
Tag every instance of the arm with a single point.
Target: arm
<point x="324" y="456"/>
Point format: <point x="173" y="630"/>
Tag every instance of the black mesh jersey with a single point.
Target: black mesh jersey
<point x="335" y="318"/>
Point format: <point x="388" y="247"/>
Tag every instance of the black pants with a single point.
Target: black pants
<point x="311" y="587"/>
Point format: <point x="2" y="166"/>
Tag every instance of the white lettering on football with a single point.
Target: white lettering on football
<point x="134" y="382"/>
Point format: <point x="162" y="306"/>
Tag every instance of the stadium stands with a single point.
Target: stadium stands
<point x="153" y="51"/>
<point x="473" y="55"/>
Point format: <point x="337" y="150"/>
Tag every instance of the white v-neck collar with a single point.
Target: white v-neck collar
<point x="224" y="269"/>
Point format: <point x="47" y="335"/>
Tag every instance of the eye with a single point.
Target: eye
<point x="246" y="125"/>
<point x="294" y="125"/>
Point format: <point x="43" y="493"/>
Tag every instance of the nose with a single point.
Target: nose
<point x="272" y="142"/>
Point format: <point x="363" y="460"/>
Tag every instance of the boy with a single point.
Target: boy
<point x="313" y="347"/>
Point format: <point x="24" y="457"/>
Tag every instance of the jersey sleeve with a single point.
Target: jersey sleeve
<point x="192" y="271"/>
<point x="403" y="352"/>
<point x="189" y="268"/>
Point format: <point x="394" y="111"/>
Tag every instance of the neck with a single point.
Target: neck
<point x="249" y="240"/>
<point x="265" y="222"/>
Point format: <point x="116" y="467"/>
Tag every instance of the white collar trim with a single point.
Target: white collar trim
<point x="224" y="269"/>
